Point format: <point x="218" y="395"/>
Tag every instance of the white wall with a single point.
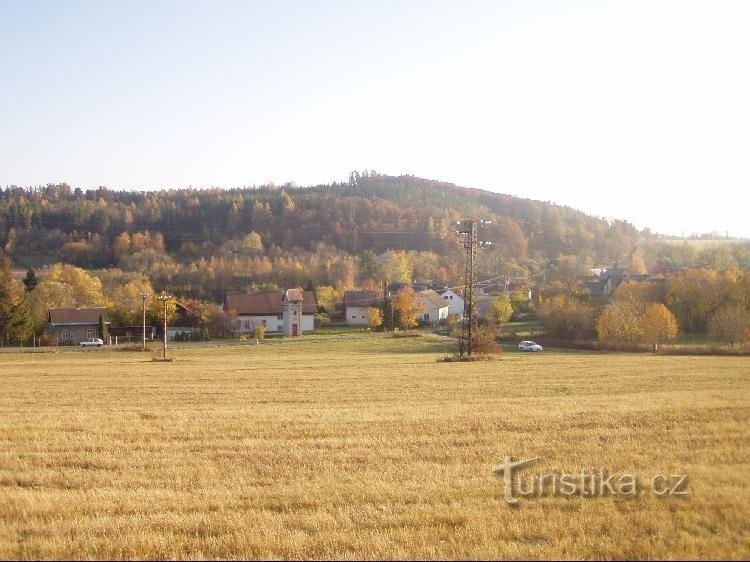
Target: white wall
<point x="247" y="323"/>
<point x="456" y="303"/>
<point x="359" y="313"/>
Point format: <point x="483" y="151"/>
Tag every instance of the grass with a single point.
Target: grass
<point x="364" y="446"/>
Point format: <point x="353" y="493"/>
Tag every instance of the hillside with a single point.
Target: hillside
<point x="372" y="211"/>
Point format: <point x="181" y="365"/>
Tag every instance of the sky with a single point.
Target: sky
<point x="635" y="110"/>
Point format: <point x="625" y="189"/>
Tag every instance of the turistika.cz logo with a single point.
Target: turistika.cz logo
<point x="586" y="484"/>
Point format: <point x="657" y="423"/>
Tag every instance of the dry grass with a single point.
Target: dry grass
<point x="364" y="447"/>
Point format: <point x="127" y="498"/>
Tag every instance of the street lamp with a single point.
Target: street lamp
<point x="165" y="297"/>
<point x="144" y="296"/>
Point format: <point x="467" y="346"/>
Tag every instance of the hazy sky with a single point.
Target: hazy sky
<point x="635" y="110"/>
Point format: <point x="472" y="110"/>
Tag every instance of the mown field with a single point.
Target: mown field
<point x="363" y="446"/>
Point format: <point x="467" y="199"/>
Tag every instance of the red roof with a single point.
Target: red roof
<point x="267" y="303"/>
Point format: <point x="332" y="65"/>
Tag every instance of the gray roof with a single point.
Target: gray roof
<point x="74" y="316"/>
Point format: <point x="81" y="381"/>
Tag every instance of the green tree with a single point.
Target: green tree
<point x="15" y="318"/>
<point x="31" y="280"/>
<point x="103" y="332"/>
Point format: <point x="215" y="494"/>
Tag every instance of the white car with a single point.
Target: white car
<point x="93" y="342"/>
<point x="527" y="345"/>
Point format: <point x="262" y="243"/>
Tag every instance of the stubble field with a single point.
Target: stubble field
<point x="365" y="447"/>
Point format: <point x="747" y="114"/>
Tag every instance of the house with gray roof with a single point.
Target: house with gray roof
<point x="70" y="326"/>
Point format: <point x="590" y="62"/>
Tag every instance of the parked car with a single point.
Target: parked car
<point x="93" y="342"/>
<point x="528" y="345"/>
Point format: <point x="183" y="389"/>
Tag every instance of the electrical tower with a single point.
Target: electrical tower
<point x="469" y="229"/>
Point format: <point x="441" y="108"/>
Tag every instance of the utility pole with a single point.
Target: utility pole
<point x="144" y="296"/>
<point x="469" y="229"/>
<point x="165" y="297"/>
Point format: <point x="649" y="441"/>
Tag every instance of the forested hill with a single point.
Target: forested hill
<point x="369" y="212"/>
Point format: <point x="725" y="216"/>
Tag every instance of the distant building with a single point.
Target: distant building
<point x="434" y="307"/>
<point x="74" y="325"/>
<point x="274" y="310"/>
<point x="454" y="301"/>
<point x="356" y="304"/>
<point x="604" y="284"/>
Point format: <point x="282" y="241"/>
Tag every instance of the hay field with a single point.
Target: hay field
<point x="365" y="447"/>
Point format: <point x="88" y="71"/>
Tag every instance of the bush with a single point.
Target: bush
<point x="259" y="332"/>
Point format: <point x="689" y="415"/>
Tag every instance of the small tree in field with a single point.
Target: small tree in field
<point x="658" y="325"/>
<point x="259" y="331"/>
<point x="731" y="323"/>
<point x="375" y="317"/>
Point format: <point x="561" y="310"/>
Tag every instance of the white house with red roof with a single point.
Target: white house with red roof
<point x="290" y="312"/>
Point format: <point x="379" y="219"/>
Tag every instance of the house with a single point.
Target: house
<point x="74" y="325"/>
<point x="274" y="310"/>
<point x="434" y="308"/>
<point x="606" y="282"/>
<point x="356" y="304"/>
<point x="454" y="300"/>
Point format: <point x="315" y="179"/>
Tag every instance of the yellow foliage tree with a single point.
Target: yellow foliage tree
<point x="86" y="290"/>
<point x="658" y="325"/>
<point x="406" y="307"/>
<point x="375" y="317"/>
<point x="499" y="311"/>
<point x="620" y="322"/>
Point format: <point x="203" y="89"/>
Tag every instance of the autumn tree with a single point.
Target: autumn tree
<point x="46" y="295"/>
<point x="407" y="308"/>
<point x="627" y="323"/>
<point x="567" y="318"/>
<point x="375" y="317"/>
<point x="658" y="325"/>
<point x="85" y="289"/>
<point x="499" y="311"/>
<point x="731" y="324"/>
<point x="694" y="295"/>
<point x="127" y="302"/>
<point x="620" y="322"/>
<point x="397" y="267"/>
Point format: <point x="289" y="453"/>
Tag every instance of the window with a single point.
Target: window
<point x="263" y="322"/>
<point x="68" y="335"/>
<point x="427" y="317"/>
<point x="89" y="333"/>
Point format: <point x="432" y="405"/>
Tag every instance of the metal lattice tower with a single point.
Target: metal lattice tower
<point x="469" y="230"/>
